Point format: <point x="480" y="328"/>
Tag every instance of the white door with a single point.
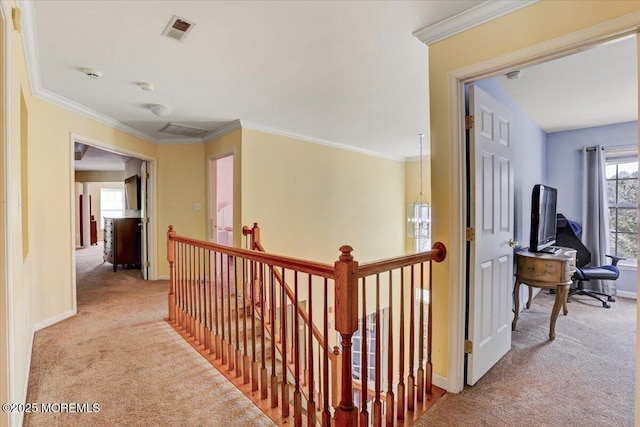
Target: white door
<point x="491" y="256"/>
<point x="144" y="222"/>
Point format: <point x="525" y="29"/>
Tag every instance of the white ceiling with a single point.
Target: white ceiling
<point x="95" y="159"/>
<point x="347" y="73"/>
<point x="342" y="72"/>
<point x="595" y="87"/>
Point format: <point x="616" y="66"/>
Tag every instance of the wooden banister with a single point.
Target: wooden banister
<point x="235" y="306"/>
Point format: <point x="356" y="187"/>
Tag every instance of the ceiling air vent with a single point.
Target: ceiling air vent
<point x="178" y="28"/>
<point x="182" y="130"/>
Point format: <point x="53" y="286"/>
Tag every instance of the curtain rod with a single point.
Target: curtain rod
<point x="590" y="148"/>
<point x="612" y="148"/>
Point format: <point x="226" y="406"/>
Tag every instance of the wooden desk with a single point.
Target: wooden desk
<point x="545" y="271"/>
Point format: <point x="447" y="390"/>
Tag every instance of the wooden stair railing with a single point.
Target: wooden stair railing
<point x="236" y="307"/>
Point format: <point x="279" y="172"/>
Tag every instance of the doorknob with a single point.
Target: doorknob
<point x="513" y="243"/>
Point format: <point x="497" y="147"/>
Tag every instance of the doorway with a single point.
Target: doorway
<point x="137" y="197"/>
<point x="221" y="203"/>
<point x="560" y="47"/>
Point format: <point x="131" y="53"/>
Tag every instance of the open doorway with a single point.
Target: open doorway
<point x="113" y="205"/>
<point x="533" y="164"/>
<point x="221" y="200"/>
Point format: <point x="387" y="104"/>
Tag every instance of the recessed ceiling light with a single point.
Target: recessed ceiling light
<point x="93" y="73"/>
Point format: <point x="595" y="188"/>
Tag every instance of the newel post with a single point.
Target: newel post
<point x="171" y="257"/>
<point x="346" y="323"/>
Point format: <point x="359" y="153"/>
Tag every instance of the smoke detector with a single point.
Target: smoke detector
<point x="90" y="72"/>
<point x="178" y="28"/>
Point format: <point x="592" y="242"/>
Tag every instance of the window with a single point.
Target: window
<point x="622" y="196"/>
<point x="111" y="204"/>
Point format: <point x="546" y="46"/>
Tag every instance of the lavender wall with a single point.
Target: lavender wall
<point x="564" y="172"/>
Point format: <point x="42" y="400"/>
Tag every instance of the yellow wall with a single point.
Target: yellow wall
<point x="181" y="183"/>
<point x="49" y="189"/>
<point x="310" y="199"/>
<point x="529" y="26"/>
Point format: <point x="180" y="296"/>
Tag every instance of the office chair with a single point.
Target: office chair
<point x="567" y="235"/>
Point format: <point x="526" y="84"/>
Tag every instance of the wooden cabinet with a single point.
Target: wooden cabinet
<point x="122" y="241"/>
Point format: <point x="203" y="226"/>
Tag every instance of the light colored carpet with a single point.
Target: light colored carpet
<point x="120" y="353"/>
<point x="586" y="377"/>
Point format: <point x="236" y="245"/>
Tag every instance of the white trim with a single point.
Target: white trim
<point x="163" y="277"/>
<point x="53" y="320"/>
<point x="15" y="419"/>
<point x="72" y="219"/>
<point x="259" y="128"/>
<point x="544" y="51"/>
<point x="628" y="265"/>
<point x="152" y="195"/>
<point x="440" y="381"/>
<point x="69" y="105"/>
<point x="477" y="15"/>
<point x="625" y="294"/>
<point x="223" y="130"/>
<point x="457" y="243"/>
<point x="30" y="42"/>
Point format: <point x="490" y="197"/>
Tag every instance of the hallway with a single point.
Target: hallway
<point x="119" y="353"/>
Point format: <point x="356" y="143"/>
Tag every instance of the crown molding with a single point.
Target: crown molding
<point x="89" y="113"/>
<point x="223" y="130"/>
<point x="30" y="43"/>
<point x="259" y="128"/>
<point x="470" y="18"/>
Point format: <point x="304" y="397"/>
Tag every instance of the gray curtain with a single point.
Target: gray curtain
<point x="595" y="214"/>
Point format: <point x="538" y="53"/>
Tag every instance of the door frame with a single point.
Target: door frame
<point x="152" y="230"/>
<point x="541" y="52"/>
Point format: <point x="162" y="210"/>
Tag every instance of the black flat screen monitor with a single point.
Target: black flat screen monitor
<point x="543" y="218"/>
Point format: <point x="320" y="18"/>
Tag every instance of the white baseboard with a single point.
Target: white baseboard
<point x="163" y="277"/>
<point x="625" y="294"/>
<point x="440" y="381"/>
<point x="55" y="319"/>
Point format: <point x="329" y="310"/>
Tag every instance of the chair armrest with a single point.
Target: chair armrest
<point x="615" y="259"/>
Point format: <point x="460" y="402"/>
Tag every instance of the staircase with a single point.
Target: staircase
<point x="264" y="320"/>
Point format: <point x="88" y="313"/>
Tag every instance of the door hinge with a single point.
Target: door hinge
<point x="468" y="346"/>
<point x="469" y="121"/>
<point x="146" y="220"/>
<point x="147" y="264"/>
<point x="146" y="176"/>
<point x="471" y="234"/>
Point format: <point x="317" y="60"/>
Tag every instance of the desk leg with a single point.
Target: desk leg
<point x="516" y="303"/>
<point x="561" y="298"/>
<point x="530" y="296"/>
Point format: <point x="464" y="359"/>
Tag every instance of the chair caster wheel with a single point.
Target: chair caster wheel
<point x="611" y="299"/>
<point x="605" y="305"/>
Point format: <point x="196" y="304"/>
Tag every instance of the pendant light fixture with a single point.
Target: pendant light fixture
<point x="419" y="212"/>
